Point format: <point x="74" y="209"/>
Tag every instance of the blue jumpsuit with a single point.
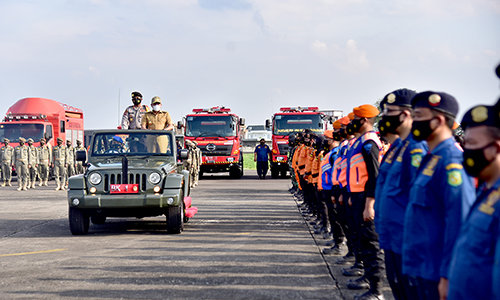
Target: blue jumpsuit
<point x="440" y="197"/>
<point x="476" y="256"/>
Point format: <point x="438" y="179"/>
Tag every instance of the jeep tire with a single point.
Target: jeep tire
<point x="175" y="218"/>
<point x="78" y="221"/>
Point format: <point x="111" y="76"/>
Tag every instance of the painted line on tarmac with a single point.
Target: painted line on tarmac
<point x="35" y="252"/>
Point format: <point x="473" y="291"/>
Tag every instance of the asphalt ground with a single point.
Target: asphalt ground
<point x="248" y="241"/>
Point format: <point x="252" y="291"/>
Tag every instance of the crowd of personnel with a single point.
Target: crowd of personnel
<point x="35" y="163"/>
<point x="422" y="206"/>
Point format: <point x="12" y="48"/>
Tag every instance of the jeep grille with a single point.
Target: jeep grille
<point x="138" y="178"/>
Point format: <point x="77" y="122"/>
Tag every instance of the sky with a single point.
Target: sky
<point x="253" y="56"/>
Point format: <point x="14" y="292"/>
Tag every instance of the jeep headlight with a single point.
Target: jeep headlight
<point x="95" y="178"/>
<point x="154" y="178"/>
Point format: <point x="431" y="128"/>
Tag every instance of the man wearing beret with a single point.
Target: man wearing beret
<point x="396" y="173"/>
<point x="362" y="172"/>
<point x="6" y="159"/>
<point x="474" y="270"/>
<point x="440" y="196"/>
<point x="22" y="159"/>
<point x="59" y="163"/>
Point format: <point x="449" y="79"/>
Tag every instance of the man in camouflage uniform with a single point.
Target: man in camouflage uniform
<point x="190" y="162"/>
<point x="32" y="167"/>
<point x="44" y="160"/>
<point x="197" y="164"/>
<point x="70" y="161"/>
<point x="79" y="164"/>
<point x="132" y="117"/>
<point x="59" y="163"/>
<point x="6" y="157"/>
<point x="22" y="158"/>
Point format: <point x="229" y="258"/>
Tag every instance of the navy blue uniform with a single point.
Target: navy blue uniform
<point x="474" y="261"/>
<point x="262" y="159"/>
<point x="440" y="197"/>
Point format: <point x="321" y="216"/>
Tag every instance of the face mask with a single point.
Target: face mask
<point x="342" y="133"/>
<point x="389" y="124"/>
<point x="136" y="101"/>
<point x="475" y="161"/>
<point x="356" y="124"/>
<point x="262" y="143"/>
<point x="350" y="129"/>
<point x="156" y="107"/>
<point x="421" y="130"/>
<point x="336" y="136"/>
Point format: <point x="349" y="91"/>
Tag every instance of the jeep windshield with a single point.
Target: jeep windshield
<point x="132" y="144"/>
<point x="210" y="126"/>
<point x="285" y="124"/>
<point x="14" y="131"/>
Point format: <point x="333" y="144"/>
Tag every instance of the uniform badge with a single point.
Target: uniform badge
<point x="416" y="160"/>
<point x="479" y="114"/>
<point x="434" y="99"/>
<point x="391" y="98"/>
<point x="454" y="178"/>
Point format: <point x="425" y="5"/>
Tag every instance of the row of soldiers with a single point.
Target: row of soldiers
<point x="32" y="162"/>
<point x="412" y="207"/>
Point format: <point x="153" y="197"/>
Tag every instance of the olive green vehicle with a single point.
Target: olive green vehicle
<point x="130" y="173"/>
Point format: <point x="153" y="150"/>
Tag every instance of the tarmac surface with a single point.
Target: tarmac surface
<point x="248" y="241"/>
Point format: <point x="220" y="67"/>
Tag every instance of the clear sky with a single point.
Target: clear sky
<point x="253" y="56"/>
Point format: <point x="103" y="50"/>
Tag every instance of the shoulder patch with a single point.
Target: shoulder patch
<point x="454" y="178"/>
<point x="416" y="160"/>
<point x="368" y="147"/>
<point x="454" y="166"/>
<point x="431" y="165"/>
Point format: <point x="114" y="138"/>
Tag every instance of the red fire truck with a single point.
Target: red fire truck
<point x="218" y="133"/>
<point x="38" y="117"/>
<point x="287" y="121"/>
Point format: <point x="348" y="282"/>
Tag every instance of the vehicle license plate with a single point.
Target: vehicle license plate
<point x="124" y="189"/>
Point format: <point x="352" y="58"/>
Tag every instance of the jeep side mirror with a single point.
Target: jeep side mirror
<point x="268" y="124"/>
<point x="81" y="155"/>
<point x="183" y="154"/>
<point x="179" y="125"/>
<point x="242" y="121"/>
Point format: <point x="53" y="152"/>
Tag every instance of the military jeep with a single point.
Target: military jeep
<point x="130" y="173"/>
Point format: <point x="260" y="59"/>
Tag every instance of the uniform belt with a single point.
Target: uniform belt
<point x="315" y="175"/>
<point x="302" y="167"/>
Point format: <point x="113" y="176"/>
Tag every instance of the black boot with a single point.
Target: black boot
<point x="370" y="295"/>
<point x="358" y="284"/>
<point x="354" y="270"/>
<point x="349" y="257"/>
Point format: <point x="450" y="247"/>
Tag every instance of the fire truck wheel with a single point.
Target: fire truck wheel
<point x="236" y="172"/>
<point x="78" y="221"/>
<point x="274" y="172"/>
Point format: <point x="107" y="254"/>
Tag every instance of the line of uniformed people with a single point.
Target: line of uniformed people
<point x="32" y="162"/>
<point x="410" y="206"/>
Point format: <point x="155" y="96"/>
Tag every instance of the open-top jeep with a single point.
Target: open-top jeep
<point x="133" y="173"/>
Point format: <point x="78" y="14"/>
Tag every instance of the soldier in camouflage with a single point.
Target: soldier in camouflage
<point x="79" y="164"/>
<point x="22" y="159"/>
<point x="44" y="160"/>
<point x="132" y="117"/>
<point x="59" y="164"/>
<point x="190" y="162"/>
<point x="32" y="168"/>
<point x="197" y="164"/>
<point x="70" y="161"/>
<point x="6" y="159"/>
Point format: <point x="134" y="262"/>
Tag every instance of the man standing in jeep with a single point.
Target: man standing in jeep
<point x="132" y="117"/>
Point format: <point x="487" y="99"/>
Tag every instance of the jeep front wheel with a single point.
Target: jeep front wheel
<point x="175" y="219"/>
<point x="78" y="221"/>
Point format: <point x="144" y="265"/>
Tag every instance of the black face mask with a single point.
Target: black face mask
<point x="357" y="123"/>
<point x="389" y="124"/>
<point x="475" y="161"/>
<point x="350" y="129"/>
<point x="336" y="136"/>
<point x="262" y="143"/>
<point x="342" y="133"/>
<point x="136" y="101"/>
<point x="421" y="130"/>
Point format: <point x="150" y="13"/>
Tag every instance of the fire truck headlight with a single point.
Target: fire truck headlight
<point x="230" y="159"/>
<point x="279" y="158"/>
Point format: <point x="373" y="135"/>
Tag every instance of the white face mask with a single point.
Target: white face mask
<point x="157" y="107"/>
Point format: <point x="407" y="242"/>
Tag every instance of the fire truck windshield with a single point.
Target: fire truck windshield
<point x="284" y="124"/>
<point x="14" y="131"/>
<point x="210" y="126"/>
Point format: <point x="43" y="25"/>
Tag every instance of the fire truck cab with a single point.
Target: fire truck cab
<point x="38" y="118"/>
<point x="287" y="121"/>
<point x="218" y="133"/>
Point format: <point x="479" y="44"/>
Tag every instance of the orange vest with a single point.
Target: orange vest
<point x="324" y="160"/>
<point x="343" y="165"/>
<point x="302" y="160"/>
<point x="358" y="175"/>
<point x="296" y="157"/>
<point x="315" y="170"/>
<point x="336" y="163"/>
<point x="309" y="161"/>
